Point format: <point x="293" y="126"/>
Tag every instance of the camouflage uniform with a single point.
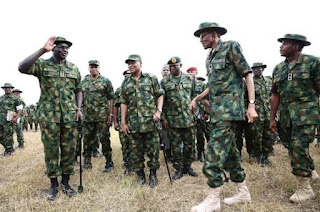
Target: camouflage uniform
<point x="8" y="102"/>
<point x="31" y="113"/>
<point x="262" y="139"/>
<point x="18" y="126"/>
<point x="140" y="97"/>
<point x="181" y="122"/>
<point x="57" y="113"/>
<point x="96" y="111"/>
<point x="124" y="140"/>
<point x="226" y="67"/>
<point x="298" y="85"/>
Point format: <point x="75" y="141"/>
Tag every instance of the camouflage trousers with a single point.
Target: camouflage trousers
<point x="142" y="143"/>
<point x="18" y="130"/>
<point x="59" y="140"/>
<point x="203" y="132"/>
<point x="222" y="154"/>
<point x="126" y="149"/>
<point x="6" y="136"/>
<point x="262" y="139"/>
<point x="182" y="146"/>
<point x="297" y="139"/>
<point x="92" y="130"/>
<point x="242" y="130"/>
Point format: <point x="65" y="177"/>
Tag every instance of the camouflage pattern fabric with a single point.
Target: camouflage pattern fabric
<point x="298" y="85"/>
<point x="57" y="113"/>
<point x="261" y="134"/>
<point x="8" y="102"/>
<point x="144" y="143"/>
<point x="92" y="130"/>
<point x="96" y="94"/>
<point x="18" y="130"/>
<point x="182" y="146"/>
<point x="222" y="154"/>
<point x="177" y="98"/>
<point x="226" y="66"/>
<point x="54" y="141"/>
<point x="124" y="140"/>
<point x="141" y="96"/>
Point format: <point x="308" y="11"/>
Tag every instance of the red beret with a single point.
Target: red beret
<point x="192" y="69"/>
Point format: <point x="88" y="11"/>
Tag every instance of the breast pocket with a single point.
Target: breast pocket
<point x="49" y="77"/>
<point x="218" y="71"/>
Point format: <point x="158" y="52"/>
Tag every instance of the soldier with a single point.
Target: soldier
<point x="226" y="67"/>
<point x="262" y="139"/>
<point x="165" y="71"/>
<point x="177" y="119"/>
<point x="10" y="109"/>
<point x="141" y="107"/>
<point x="60" y="108"/>
<point x="202" y="126"/>
<point x="97" y="114"/>
<point x="296" y="89"/>
<point x="31" y="113"/>
<point x="18" y="126"/>
<point x="124" y="140"/>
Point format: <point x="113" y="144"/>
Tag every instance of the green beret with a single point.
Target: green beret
<point x="256" y="65"/>
<point x="174" y="60"/>
<point x="206" y="26"/>
<point x="133" y="57"/>
<point x="7" y="85"/>
<point x="62" y="40"/>
<point x="296" y="37"/>
<point x="94" y="62"/>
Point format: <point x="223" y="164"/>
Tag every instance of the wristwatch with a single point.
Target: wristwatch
<point x="159" y="110"/>
<point x="252" y="101"/>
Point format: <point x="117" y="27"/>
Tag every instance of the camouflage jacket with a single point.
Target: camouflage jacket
<point x="262" y="97"/>
<point x="177" y="98"/>
<point x="8" y="102"/>
<point x="58" y="85"/>
<point x="199" y="88"/>
<point x="96" y="94"/>
<point x="117" y="103"/>
<point x="298" y="86"/>
<point x="140" y="96"/>
<point x="226" y="66"/>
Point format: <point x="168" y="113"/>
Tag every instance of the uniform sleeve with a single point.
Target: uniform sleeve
<point x="109" y="89"/>
<point x="274" y="88"/>
<point x="123" y="97"/>
<point x="78" y="81"/>
<point x="158" y="91"/>
<point x="116" y="100"/>
<point x="316" y="74"/>
<point x="37" y="68"/>
<point x="164" y="107"/>
<point x="238" y="59"/>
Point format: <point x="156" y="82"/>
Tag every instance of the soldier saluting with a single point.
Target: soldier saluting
<point x="60" y="107"/>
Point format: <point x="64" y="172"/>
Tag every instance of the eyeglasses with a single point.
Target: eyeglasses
<point x="63" y="47"/>
<point x="204" y="34"/>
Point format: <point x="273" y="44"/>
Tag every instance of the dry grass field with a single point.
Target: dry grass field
<point x="24" y="186"/>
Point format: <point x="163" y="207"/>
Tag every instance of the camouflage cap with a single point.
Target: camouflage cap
<point x="16" y="91"/>
<point x="94" y="62"/>
<point x="192" y="69"/>
<point x="174" y="60"/>
<point x="255" y="65"/>
<point x="296" y="37"/>
<point x="210" y="26"/>
<point x="133" y="57"/>
<point x="62" y="40"/>
<point x="7" y="85"/>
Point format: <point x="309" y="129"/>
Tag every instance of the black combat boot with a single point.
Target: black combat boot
<point x="153" y="181"/>
<point x="96" y="154"/>
<point x="65" y="187"/>
<point x="53" y="189"/>
<point x="141" y="177"/>
<point x="200" y="156"/>
<point x="109" y="166"/>
<point x="178" y="174"/>
<point x="190" y="171"/>
<point x="127" y="170"/>
<point x="21" y="146"/>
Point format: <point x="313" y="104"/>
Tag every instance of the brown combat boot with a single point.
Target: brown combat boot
<point x="242" y="195"/>
<point x="210" y="203"/>
<point x="304" y="191"/>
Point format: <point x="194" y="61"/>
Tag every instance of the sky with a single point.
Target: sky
<point x="109" y="31"/>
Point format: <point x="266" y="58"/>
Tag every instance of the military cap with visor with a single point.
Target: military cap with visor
<point x="257" y="65"/>
<point x="295" y="37"/>
<point x="7" y="85"/>
<point x="133" y="57"/>
<point x="94" y="62"/>
<point x="62" y="40"/>
<point x="174" y="60"/>
<point x="16" y="91"/>
<point x="210" y="26"/>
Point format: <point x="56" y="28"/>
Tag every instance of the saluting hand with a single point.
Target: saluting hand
<point x="50" y="44"/>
